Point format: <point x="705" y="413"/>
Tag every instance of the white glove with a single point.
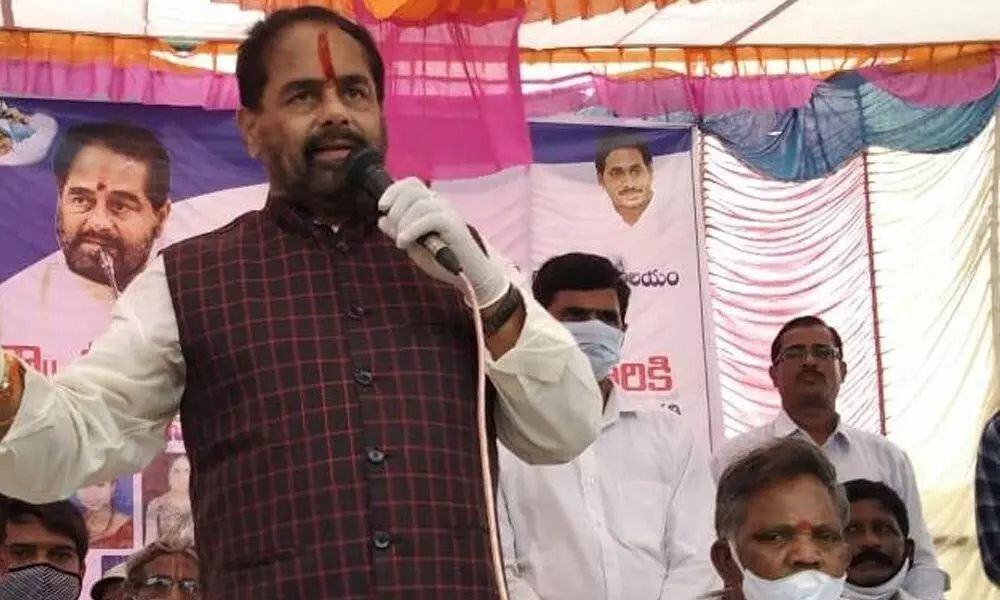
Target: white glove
<point x="412" y="211"/>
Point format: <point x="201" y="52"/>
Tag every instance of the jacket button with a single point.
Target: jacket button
<point x="375" y="456"/>
<point x="381" y="540"/>
<point x="356" y="312"/>
<point x="364" y="377"/>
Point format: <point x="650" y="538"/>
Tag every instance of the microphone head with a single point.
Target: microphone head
<point x="359" y="161"/>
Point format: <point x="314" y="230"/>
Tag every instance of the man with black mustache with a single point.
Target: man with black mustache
<point x="113" y="197"/>
<point x="114" y="188"/>
<point x="807" y="368"/>
<point x="326" y="369"/>
<point x="878" y="535"/>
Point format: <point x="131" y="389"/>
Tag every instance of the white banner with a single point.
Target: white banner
<point x="650" y="224"/>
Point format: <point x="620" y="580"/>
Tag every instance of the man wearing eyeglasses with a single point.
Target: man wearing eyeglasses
<point x="807" y="368"/>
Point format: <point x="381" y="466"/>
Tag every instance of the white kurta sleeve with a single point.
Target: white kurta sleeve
<point x="104" y="415"/>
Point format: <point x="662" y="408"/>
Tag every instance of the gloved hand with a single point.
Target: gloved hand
<point x="412" y="211"/>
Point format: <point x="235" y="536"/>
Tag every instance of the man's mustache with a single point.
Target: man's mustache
<point x="103" y="241"/>
<point x="809" y="371"/>
<point x="871" y="555"/>
<point x="332" y="137"/>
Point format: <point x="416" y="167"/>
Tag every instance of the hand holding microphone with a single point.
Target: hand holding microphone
<point x="428" y="228"/>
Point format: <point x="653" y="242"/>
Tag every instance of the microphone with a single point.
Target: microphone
<point x="366" y="171"/>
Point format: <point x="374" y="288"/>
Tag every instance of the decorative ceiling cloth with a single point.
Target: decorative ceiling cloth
<point x="551" y="24"/>
<point x="229" y="19"/>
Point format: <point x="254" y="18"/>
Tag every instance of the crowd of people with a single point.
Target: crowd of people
<point x="43" y="550"/>
<point x="326" y="370"/>
<point x="804" y="507"/>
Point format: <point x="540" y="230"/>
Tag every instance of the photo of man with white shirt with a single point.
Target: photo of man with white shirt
<point x="631" y="517"/>
<point x="112" y="184"/>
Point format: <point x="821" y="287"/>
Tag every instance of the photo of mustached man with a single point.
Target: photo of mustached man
<point x="114" y="185"/>
<point x="625" y="171"/>
<point x="113" y="197"/>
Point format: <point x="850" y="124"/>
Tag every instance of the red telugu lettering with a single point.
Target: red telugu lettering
<point x="653" y="375"/>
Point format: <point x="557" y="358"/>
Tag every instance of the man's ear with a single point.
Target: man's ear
<point x="843" y="369"/>
<point x="772" y="371"/>
<point x="161" y="218"/>
<point x="909" y="549"/>
<point x="725" y="565"/>
<point x="249" y="124"/>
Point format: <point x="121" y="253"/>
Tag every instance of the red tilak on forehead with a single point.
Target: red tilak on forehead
<point x="102" y="178"/>
<point x="803" y="527"/>
<point x="325" y="58"/>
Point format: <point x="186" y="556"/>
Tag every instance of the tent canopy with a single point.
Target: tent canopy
<point x="776" y="23"/>
<point x="676" y="24"/>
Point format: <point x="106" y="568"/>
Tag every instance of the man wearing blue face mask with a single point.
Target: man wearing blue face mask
<point x="628" y="519"/>
<point x="46" y="545"/>
<point x="779" y="517"/>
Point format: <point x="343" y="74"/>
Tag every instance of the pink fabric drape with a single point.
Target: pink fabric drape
<point x="781" y="250"/>
<point x="453" y="94"/>
<point x="938" y="88"/>
<point x="697" y="95"/>
<point x="453" y="98"/>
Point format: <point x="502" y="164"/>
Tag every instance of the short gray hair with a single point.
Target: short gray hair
<point x="135" y="575"/>
<point x="766" y="466"/>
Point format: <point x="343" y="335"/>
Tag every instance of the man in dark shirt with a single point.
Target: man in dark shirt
<point x="326" y="373"/>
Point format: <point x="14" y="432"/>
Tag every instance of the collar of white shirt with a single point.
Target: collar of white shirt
<point x="619" y="406"/>
<point x="784" y="426"/>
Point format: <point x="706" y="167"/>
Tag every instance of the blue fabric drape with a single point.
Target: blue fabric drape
<point x="845" y="115"/>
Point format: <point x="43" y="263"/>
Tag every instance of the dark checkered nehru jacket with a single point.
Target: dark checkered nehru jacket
<point x="329" y="415"/>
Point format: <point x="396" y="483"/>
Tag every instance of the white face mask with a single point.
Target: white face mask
<point x="804" y="585"/>
<point x="601" y="342"/>
<point x="885" y="591"/>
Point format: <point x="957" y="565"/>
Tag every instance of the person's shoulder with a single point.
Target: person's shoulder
<point x="991" y="433"/>
<point x="238" y="226"/>
<point x="879" y="445"/>
<point x="748" y="440"/>
<point x="220" y="238"/>
<point x="737" y="446"/>
<point x="869" y="438"/>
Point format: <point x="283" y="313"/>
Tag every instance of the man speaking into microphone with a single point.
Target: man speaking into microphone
<point x="325" y="370"/>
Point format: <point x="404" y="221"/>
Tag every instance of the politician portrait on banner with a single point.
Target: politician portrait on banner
<point x="111" y="193"/>
<point x="94" y="191"/>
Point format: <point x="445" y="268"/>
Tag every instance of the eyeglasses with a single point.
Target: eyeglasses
<point x="158" y="587"/>
<point x="817" y="351"/>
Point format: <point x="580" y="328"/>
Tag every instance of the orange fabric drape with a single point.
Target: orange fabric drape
<point x="78" y="48"/>
<point x="749" y="61"/>
<point x="423" y="11"/>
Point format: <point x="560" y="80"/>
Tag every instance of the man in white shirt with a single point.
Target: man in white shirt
<point x="878" y="536"/>
<point x="630" y="518"/>
<point x="807" y="369"/>
<point x="113" y="185"/>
